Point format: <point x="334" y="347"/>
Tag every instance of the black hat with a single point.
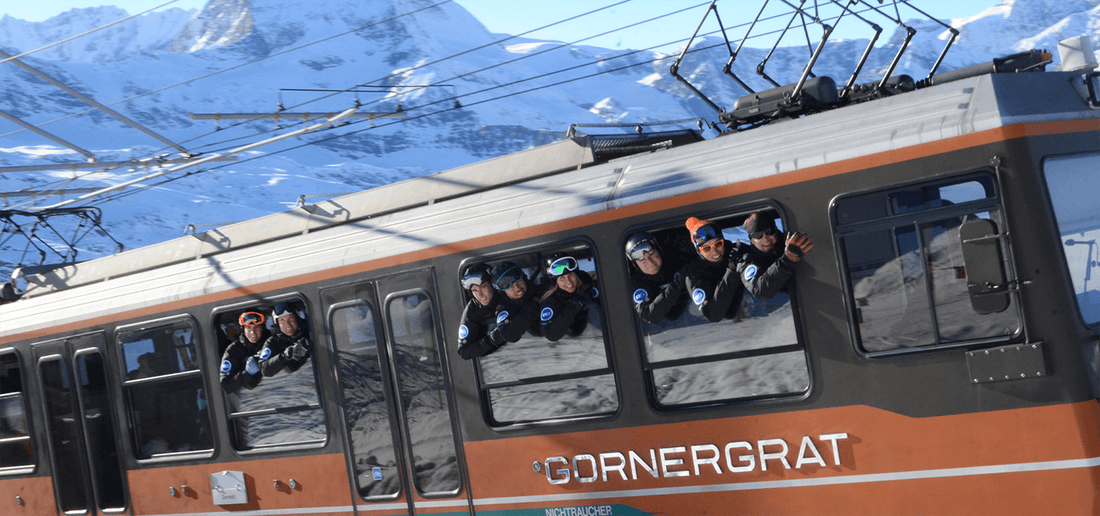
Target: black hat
<point x="758" y="224"/>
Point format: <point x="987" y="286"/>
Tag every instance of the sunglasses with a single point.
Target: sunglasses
<point x="507" y="278"/>
<point x="638" y="252"/>
<point x="768" y="232"/>
<point x="706" y="248"/>
<point x="251" y="319"/>
<point x="562" y="265"/>
<point x="472" y="277"/>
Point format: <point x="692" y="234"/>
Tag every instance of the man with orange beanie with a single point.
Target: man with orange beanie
<point x="712" y="280"/>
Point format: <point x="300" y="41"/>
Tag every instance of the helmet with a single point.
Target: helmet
<point x="638" y="243"/>
<point x="559" y="264"/>
<point x="505" y="274"/>
<point x="476" y="275"/>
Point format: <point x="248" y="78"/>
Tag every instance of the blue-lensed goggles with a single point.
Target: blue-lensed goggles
<point x="638" y="252"/>
<point x="704" y="233"/>
<point x="507" y="278"/>
<point x="282" y="309"/>
<point x="562" y="265"/>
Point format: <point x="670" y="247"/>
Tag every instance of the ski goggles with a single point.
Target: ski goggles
<point x="766" y="231"/>
<point x="704" y="233"/>
<point x="507" y="278"/>
<point x="281" y="309"/>
<point x="563" y="265"/>
<point x="251" y="319"/>
<point x="473" y="277"/>
<point x="638" y="252"/>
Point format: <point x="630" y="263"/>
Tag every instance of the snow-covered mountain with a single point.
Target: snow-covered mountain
<point x="255" y="56"/>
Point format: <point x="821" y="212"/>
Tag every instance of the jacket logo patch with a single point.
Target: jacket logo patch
<point x="502" y="316"/>
<point x="463" y="331"/>
<point x="698" y="296"/>
<point x="265" y="354"/>
<point x="640" y="295"/>
<point x="546" y="314"/>
<point x="227" y="366"/>
<point x="750" y="272"/>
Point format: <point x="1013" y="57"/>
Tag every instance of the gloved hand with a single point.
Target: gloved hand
<point x="252" y="366"/>
<point x="299" y="350"/>
<point x="676" y="286"/>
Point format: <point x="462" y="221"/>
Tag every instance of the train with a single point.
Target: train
<point x="937" y="352"/>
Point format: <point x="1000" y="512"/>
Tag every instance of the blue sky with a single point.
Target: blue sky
<point x="517" y="16"/>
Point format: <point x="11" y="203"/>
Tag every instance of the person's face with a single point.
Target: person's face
<point x="288" y="324"/>
<point x="517" y="290"/>
<point x="766" y="242"/>
<point x="253" y="332"/>
<point x="569" y="282"/>
<point x="712" y="249"/>
<point x="650" y="263"/>
<point x="483" y="293"/>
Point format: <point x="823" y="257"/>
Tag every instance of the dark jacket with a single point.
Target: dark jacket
<point x="479" y="335"/>
<point x="234" y="377"/>
<point x="714" y="286"/>
<point x="567" y="312"/>
<point x="518" y="316"/>
<point x="660" y="296"/>
<point x="272" y="358"/>
<point x="764" y="274"/>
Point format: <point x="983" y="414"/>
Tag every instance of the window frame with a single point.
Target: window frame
<point x="890" y="221"/>
<point x="28" y="416"/>
<point x="1060" y="245"/>
<point x="228" y="415"/>
<point x="542" y="250"/>
<point x="736" y="212"/>
<point x="124" y="384"/>
<point x="388" y="391"/>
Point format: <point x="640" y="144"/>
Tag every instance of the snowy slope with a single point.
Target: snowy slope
<point x="250" y="56"/>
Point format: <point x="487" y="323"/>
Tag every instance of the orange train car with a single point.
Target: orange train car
<point x="935" y="353"/>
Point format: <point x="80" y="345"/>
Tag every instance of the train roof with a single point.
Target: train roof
<point x="467" y="207"/>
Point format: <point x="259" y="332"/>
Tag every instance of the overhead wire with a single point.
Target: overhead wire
<point x="409" y="119"/>
<point x="137" y="190"/>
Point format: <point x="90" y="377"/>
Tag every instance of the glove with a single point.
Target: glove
<point x="578" y="302"/>
<point x="252" y="366"/>
<point x="298" y="351"/>
<point x="674" y="287"/>
<point x="795" y="251"/>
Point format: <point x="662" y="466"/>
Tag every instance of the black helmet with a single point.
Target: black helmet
<point x="634" y="245"/>
<point x="476" y="275"/>
<point x="559" y="264"/>
<point x="506" y="273"/>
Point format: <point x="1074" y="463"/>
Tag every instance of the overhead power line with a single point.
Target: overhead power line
<point x="39" y="49"/>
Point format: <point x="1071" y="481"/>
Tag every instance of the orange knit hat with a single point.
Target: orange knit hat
<point x="702" y="230"/>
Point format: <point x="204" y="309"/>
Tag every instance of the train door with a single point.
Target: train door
<point x="399" y="422"/>
<point x="80" y="425"/>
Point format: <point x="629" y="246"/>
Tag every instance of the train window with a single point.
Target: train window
<point x="16" y="450"/>
<point x="423" y="399"/>
<point x="751" y="352"/>
<point x="269" y="385"/>
<point x="163" y="387"/>
<point x="1073" y="182"/>
<point x="559" y="368"/>
<point x="902" y="259"/>
<point x="366" y="411"/>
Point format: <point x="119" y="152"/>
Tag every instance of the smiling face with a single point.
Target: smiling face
<point x="288" y="324"/>
<point x="766" y="242"/>
<point x="253" y="332"/>
<point x="650" y="263"/>
<point x="569" y="282"/>
<point x="712" y="249"/>
<point x="483" y="293"/>
<point x="517" y="290"/>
